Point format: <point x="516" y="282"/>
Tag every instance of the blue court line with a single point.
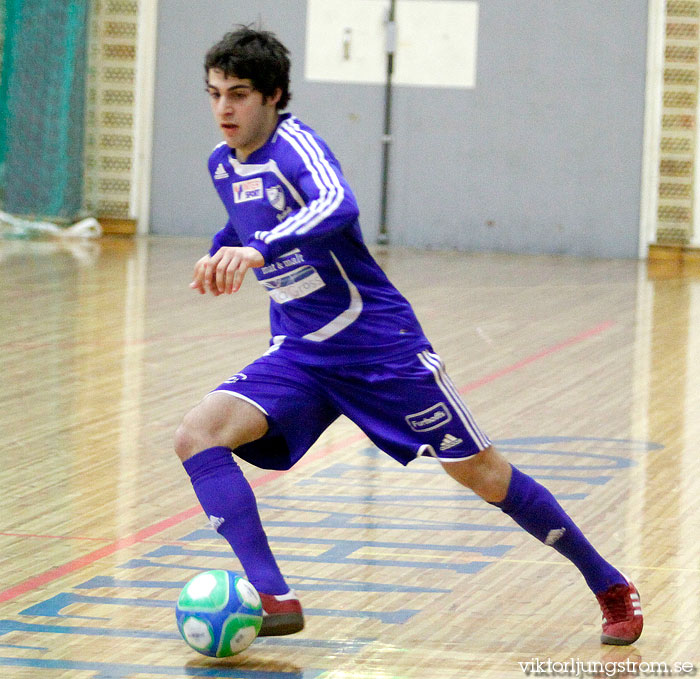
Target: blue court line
<point x="336" y="556"/>
<point x="352" y="545"/>
<point x="229" y="556"/>
<point x="124" y="671"/>
<point x="206" y="534"/>
<point x="319" y="584"/>
<point x="28" y="648"/>
<point x="402" y="501"/>
<point x="398" y="617"/>
<point x="388" y="499"/>
<point x="337" y="647"/>
<point x="7" y="626"/>
<point x="408" y="497"/>
<point x="337" y="470"/>
<point x="330" y="584"/>
<point x="333" y="519"/>
<point x="108" y="581"/>
<point x="348" y="647"/>
<point x="587" y="480"/>
<point x="630" y="444"/>
<point x="147" y="563"/>
<point x="336" y="546"/>
<point x="526" y="446"/>
<point x="426" y="503"/>
<point x="533" y="441"/>
<point x="417" y="492"/>
<point x="615" y="461"/>
<point x="53" y="606"/>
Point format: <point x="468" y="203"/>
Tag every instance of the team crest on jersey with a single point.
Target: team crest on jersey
<point x="250" y="189"/>
<point x="275" y="195"/>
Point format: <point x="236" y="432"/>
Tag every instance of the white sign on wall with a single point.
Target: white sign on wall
<point x="436" y="42"/>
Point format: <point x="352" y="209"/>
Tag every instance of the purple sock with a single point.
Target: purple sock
<point x="534" y="508"/>
<point x="227" y="499"/>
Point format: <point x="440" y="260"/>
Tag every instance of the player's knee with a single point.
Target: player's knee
<point x="188" y="439"/>
<point x="487" y="473"/>
<point x="196" y="432"/>
<point x="218" y="421"/>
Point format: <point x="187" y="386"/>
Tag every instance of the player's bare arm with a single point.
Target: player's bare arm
<point x="223" y="272"/>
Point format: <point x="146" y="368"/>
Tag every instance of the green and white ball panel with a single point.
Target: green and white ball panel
<point x="206" y="592"/>
<point x="238" y="632"/>
<point x="248" y="594"/>
<point x="198" y="633"/>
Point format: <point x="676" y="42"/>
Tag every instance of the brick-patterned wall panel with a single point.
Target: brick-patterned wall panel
<point x="679" y="122"/>
<point x="110" y="119"/>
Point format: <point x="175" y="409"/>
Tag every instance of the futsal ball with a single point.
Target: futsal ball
<point x="219" y="613"/>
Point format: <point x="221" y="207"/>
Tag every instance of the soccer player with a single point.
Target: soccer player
<point x="344" y="341"/>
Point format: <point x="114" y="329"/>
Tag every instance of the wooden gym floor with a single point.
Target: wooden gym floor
<point x="585" y="373"/>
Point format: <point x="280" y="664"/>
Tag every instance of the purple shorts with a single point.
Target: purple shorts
<point x="407" y="407"/>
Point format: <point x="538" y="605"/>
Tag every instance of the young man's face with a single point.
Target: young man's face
<point x="245" y="117"/>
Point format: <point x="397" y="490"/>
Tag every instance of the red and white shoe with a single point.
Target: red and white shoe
<point x="282" y="614"/>
<point x="622" y="614"/>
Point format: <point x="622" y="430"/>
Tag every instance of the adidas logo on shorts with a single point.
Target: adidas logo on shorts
<point x="450" y="442"/>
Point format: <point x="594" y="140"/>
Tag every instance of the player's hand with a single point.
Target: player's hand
<point x="223" y="272"/>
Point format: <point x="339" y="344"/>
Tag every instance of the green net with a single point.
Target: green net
<point x="2" y="31"/>
<point x="42" y="106"/>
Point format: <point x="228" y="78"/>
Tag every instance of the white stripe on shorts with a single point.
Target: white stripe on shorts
<point x="434" y="363"/>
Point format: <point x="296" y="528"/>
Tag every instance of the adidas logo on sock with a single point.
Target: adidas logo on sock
<point x="554" y="535"/>
<point x="450" y="442"/>
<point x="215" y="522"/>
<point x="221" y="172"/>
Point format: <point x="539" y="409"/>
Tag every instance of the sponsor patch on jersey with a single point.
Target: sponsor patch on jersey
<point x="430" y="418"/>
<point x="250" y="189"/>
<point x="293" y="285"/>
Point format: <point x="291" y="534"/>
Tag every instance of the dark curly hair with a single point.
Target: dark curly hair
<point x="253" y="55"/>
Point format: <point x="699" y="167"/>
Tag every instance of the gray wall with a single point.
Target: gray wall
<point x="543" y="156"/>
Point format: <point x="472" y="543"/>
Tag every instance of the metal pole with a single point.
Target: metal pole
<point x="383" y="236"/>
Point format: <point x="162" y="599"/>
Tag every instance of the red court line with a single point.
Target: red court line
<point x="53" y="537"/>
<point x="597" y="330"/>
<point x="85" y="538"/>
<point x="54" y="573"/>
<point x="30" y="345"/>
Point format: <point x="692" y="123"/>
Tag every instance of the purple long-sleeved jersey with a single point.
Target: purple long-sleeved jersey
<point x="330" y="301"/>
